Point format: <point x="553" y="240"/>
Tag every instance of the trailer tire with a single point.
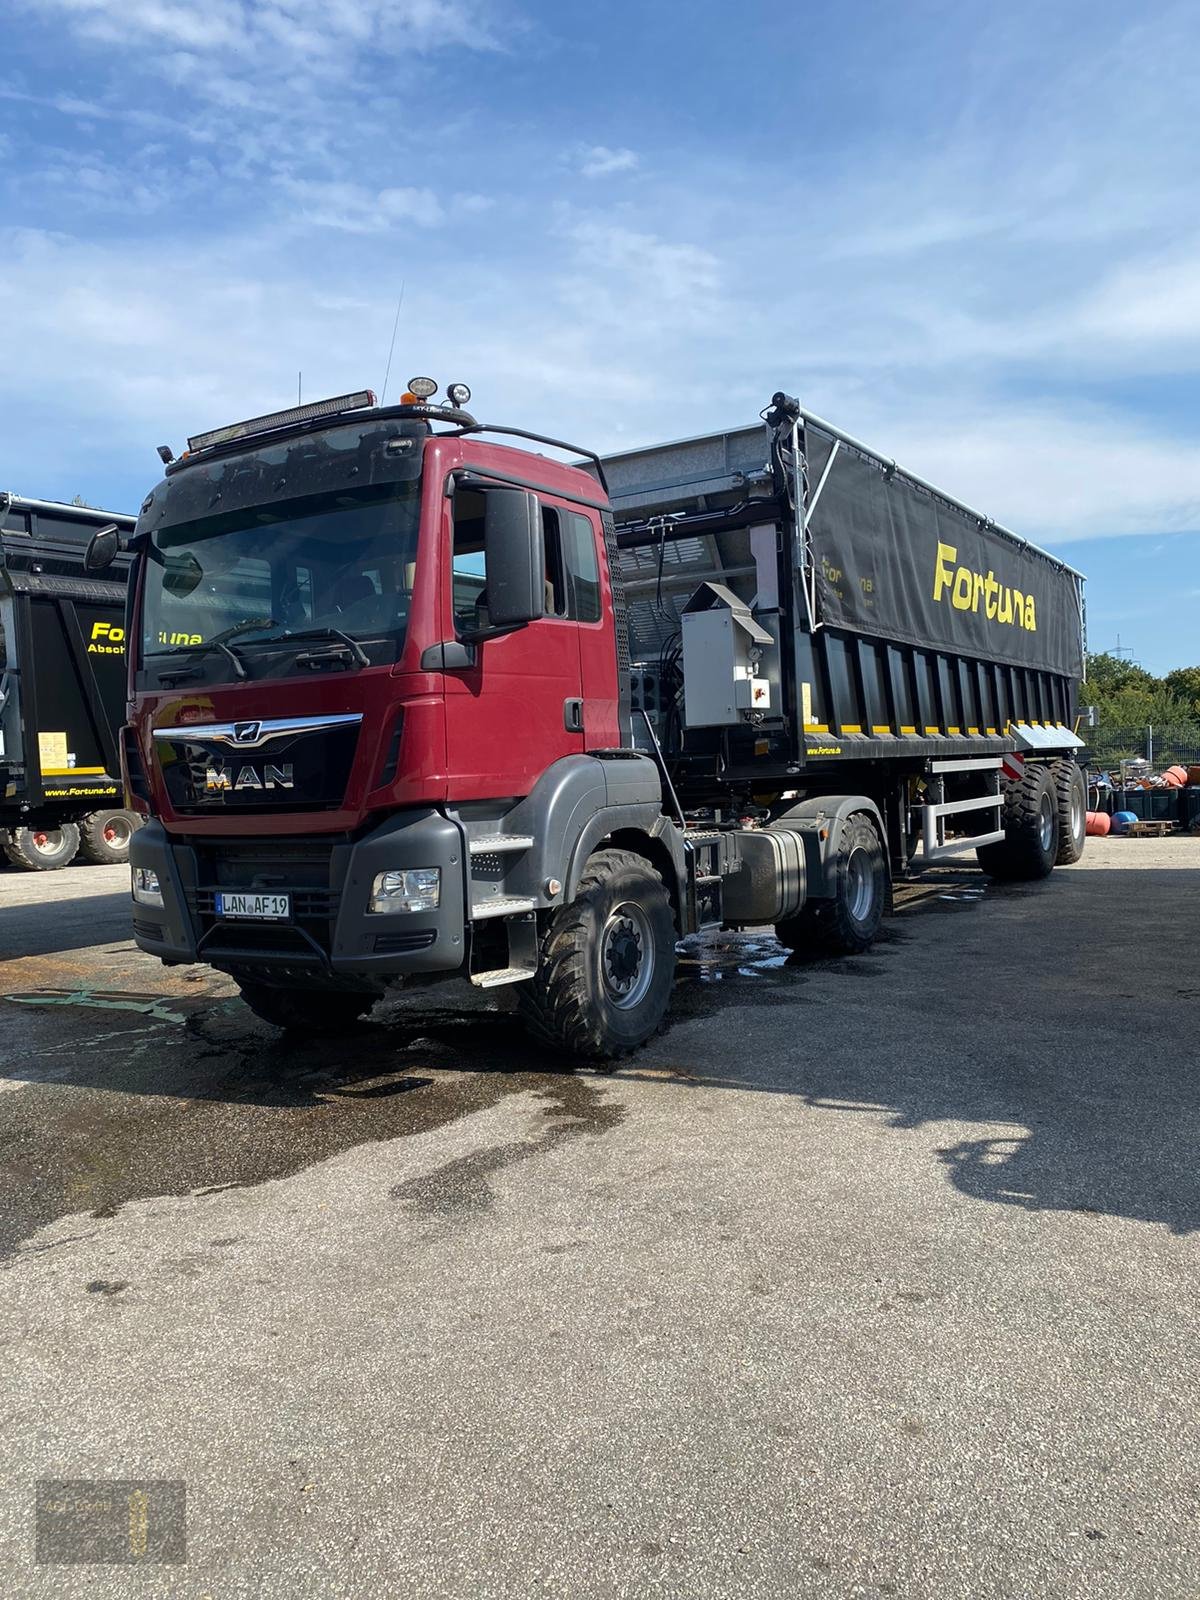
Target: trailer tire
<point x="312" y="1011"/>
<point x="849" y="922"/>
<point x="1030" y="818"/>
<point x="104" y="837"/>
<point x="42" y="849"/>
<point x="1072" y="810"/>
<point x="607" y="962"/>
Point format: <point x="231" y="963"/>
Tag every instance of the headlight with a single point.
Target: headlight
<point x="147" y="890"/>
<point x="419" y="890"/>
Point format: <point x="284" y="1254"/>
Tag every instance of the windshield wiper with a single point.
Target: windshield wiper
<point x="219" y="641"/>
<point x="355" y="649"/>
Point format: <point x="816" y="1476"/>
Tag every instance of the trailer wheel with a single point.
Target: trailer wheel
<point x="310" y="1011"/>
<point x="1030" y="818"/>
<point x="848" y="923"/>
<point x="42" y="849"/>
<point x="607" y="962"/>
<point x="1072" y="810"/>
<point x="104" y="837"/>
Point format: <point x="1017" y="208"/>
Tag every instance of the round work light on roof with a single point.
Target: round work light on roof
<point x="457" y="393"/>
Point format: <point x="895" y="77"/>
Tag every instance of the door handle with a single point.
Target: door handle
<point x="573" y="716"/>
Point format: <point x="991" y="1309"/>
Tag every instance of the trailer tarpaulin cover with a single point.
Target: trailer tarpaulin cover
<point x="895" y="560"/>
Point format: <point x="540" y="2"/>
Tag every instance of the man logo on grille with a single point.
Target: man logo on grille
<point x="246" y="732"/>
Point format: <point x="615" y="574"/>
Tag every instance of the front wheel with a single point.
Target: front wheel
<point x="607" y="962"/>
<point x="42" y="849"/>
<point x="849" y="922"/>
<point x="312" y="1011"/>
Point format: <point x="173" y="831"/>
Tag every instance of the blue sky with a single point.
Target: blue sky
<point x="969" y="234"/>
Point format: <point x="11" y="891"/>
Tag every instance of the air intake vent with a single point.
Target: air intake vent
<point x="136" y="781"/>
<point x="392" y="761"/>
<point x="394" y="944"/>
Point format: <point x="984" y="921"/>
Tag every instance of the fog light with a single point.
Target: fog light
<point x="147" y="890"/>
<point x="419" y="890"/>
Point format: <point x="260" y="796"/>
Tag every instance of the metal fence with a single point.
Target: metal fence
<point x="1108" y="746"/>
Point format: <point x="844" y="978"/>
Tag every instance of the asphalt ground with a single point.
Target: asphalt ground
<point x="867" y="1278"/>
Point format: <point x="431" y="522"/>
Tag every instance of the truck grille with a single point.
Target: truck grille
<point x="301" y="868"/>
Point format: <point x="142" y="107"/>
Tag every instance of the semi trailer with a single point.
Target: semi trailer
<point x="409" y="703"/>
<point x="62" y="687"/>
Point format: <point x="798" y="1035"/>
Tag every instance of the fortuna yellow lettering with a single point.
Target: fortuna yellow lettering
<point x="966" y="589"/>
<point x="943" y="573"/>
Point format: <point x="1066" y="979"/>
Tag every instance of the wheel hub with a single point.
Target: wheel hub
<point x="860" y="885"/>
<point x="626" y="956"/>
<point x="1046" y="821"/>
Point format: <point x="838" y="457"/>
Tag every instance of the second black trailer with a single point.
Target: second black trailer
<point x="62" y="688"/>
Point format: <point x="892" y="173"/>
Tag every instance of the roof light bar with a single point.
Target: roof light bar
<point x="283" y="419"/>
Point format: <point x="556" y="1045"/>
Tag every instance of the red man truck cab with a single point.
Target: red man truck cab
<point x="381" y="726"/>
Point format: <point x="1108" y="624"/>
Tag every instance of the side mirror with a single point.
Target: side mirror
<point x="516" y="563"/>
<point x="102" y="549"/>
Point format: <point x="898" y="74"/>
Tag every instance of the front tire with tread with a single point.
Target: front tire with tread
<point x="569" y="1004"/>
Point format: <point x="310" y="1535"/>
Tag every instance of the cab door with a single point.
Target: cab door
<point x="519" y="707"/>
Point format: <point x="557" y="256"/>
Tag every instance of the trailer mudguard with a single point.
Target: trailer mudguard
<point x="818" y="822"/>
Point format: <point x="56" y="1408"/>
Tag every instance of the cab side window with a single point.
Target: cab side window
<point x="582" y="566"/>
<point x="557" y="592"/>
<point x="469" y="567"/>
<point x="571" y="571"/>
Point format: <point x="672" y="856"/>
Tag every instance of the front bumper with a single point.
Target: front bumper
<point x="331" y="934"/>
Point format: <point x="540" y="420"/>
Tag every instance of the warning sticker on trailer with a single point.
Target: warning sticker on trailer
<point x="52" y="752"/>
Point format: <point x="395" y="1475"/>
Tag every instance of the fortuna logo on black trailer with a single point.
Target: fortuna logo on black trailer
<point x="217" y="780"/>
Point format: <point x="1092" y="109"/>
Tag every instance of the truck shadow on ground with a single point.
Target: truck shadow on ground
<point x="1068" y="1035"/>
<point x="1074" y="1073"/>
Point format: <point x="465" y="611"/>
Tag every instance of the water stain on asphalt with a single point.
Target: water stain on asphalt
<point x="208" y="1098"/>
<point x="226" y="1102"/>
<point x="462" y="1188"/>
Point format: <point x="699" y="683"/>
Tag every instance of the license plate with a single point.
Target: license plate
<point x="266" y="907"/>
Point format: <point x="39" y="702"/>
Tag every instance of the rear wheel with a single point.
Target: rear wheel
<point x="104" y="837"/>
<point x="607" y="962"/>
<point x="1030" y="819"/>
<point x="310" y="1011"/>
<point x="849" y="922"/>
<point x="42" y="849"/>
<point x="1072" y="810"/>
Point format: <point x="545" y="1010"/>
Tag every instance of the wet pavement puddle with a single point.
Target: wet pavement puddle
<point x="185" y="1094"/>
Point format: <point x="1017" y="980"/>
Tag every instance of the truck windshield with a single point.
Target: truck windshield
<point x="339" y="563"/>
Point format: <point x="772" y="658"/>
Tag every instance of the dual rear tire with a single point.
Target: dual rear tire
<point x="1044" y="816"/>
<point x="101" y="837"/>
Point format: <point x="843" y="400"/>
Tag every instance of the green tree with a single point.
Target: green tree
<point x="1108" y="674"/>
<point x="1184" y="684"/>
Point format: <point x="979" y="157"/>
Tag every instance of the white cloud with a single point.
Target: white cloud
<point x="598" y="161"/>
<point x="258" y="33"/>
<point x="353" y="208"/>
